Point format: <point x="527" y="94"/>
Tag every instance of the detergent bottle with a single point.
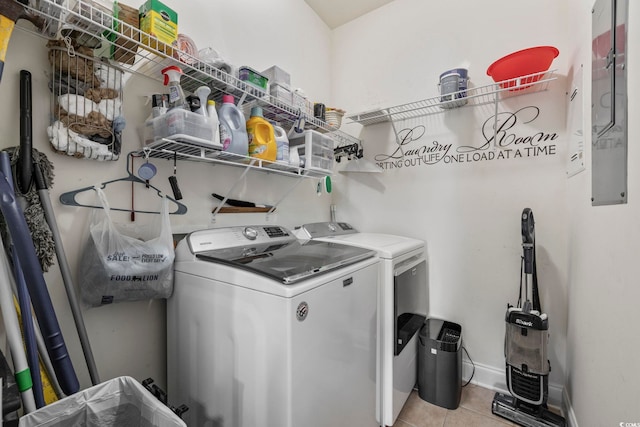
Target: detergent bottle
<point x="282" y="142"/>
<point x="172" y="80"/>
<point x="262" y="139"/>
<point x="213" y="119"/>
<point x="233" y="131"/>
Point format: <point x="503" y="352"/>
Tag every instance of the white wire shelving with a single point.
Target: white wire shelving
<point x="92" y="24"/>
<point x="474" y="96"/>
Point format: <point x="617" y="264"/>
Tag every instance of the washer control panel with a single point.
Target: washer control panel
<point x="229" y="237"/>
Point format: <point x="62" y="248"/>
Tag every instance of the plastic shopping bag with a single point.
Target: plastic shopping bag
<point x="116" y="267"/>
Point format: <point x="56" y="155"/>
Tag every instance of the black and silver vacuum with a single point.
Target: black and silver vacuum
<point x="526" y="340"/>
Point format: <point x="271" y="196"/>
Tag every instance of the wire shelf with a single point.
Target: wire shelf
<point x="183" y="150"/>
<point x="481" y="95"/>
<point x="92" y="24"/>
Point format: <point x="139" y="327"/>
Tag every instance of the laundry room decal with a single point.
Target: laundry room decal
<point x="504" y="136"/>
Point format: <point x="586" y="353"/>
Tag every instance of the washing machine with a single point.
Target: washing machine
<point x="264" y="330"/>
<point x="403" y="305"/>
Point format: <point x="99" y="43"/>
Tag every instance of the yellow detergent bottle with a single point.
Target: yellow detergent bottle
<point x="262" y="138"/>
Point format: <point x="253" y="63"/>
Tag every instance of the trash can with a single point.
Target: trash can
<point x="120" y="402"/>
<point x="440" y="363"/>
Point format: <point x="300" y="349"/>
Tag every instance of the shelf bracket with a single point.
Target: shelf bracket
<point x="226" y="196"/>
<point x="273" y="208"/>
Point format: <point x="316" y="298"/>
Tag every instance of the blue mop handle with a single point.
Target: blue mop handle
<point x="40" y="298"/>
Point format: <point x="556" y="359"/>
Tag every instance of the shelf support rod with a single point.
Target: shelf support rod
<point x="273" y="208"/>
<point x="393" y="126"/>
<point x="495" y="118"/>
<point x="226" y="196"/>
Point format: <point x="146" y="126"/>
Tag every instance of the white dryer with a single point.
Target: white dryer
<point x="265" y="330"/>
<point x="403" y="305"/>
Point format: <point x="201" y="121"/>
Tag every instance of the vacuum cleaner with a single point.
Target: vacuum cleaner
<point x="526" y="339"/>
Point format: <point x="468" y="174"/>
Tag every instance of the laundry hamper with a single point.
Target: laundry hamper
<point x="120" y="402"/>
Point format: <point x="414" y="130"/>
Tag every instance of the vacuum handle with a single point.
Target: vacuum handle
<point x="24" y="167"/>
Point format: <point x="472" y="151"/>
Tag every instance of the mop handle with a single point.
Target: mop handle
<point x="45" y="200"/>
<point x="10" y="318"/>
<point x="40" y="298"/>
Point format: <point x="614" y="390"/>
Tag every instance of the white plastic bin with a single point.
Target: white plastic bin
<point x="120" y="402"/>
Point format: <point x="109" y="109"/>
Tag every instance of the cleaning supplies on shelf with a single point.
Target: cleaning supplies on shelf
<point x="233" y="131"/>
<point x="177" y="99"/>
<point x="261" y="136"/>
<point x="203" y="93"/>
<point x="282" y="142"/>
<point x="214" y="121"/>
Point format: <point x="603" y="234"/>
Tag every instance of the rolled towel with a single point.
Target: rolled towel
<point x="77" y="105"/>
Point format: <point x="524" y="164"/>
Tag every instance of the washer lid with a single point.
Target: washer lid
<point x="288" y="262"/>
<point x="388" y="246"/>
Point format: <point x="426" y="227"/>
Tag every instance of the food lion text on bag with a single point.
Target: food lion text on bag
<point x="116" y="267"/>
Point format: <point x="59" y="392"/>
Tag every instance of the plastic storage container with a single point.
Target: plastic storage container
<point x="314" y="150"/>
<point x="453" y="86"/>
<point x="118" y="402"/>
<point x="277" y="75"/>
<point x="440" y="363"/>
<point x="181" y="125"/>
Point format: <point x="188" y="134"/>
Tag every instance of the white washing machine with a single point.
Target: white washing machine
<point x="403" y="306"/>
<point x="265" y="330"/>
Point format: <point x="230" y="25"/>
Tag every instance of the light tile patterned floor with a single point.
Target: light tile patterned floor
<point x="474" y="410"/>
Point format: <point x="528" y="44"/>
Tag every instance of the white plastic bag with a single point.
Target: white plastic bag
<point x="120" y="402"/>
<point x="116" y="267"/>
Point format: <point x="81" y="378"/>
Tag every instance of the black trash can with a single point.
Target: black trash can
<point x="440" y="363"/>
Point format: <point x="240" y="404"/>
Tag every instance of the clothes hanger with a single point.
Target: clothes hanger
<point x="69" y="198"/>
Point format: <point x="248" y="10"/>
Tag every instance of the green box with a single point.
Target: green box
<point x="160" y="22"/>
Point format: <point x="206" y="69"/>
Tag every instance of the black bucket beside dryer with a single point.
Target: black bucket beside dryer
<point x="440" y="363"/>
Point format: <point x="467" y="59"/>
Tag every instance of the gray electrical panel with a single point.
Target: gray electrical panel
<point x="609" y="102"/>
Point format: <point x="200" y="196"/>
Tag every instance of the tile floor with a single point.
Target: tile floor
<point x="474" y="410"/>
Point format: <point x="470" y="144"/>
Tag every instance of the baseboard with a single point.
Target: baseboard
<point x="495" y="379"/>
<point x="567" y="409"/>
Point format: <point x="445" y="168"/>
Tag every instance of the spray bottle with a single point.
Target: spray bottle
<point x="176" y="95"/>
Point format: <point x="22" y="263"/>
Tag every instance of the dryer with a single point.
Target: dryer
<point x="265" y="330"/>
<point x="403" y="305"/>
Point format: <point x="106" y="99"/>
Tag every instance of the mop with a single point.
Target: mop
<point x="38" y="212"/>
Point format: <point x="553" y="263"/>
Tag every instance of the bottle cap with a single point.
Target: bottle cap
<point x="228" y="99"/>
<point x="211" y="102"/>
<point x="256" y="111"/>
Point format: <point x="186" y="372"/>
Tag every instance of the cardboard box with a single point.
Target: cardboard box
<point x="158" y="23"/>
<point x="124" y="49"/>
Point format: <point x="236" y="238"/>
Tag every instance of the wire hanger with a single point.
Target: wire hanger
<point x="69" y="198"/>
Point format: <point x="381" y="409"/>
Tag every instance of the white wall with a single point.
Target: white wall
<point x="129" y="338"/>
<point x="602" y="348"/>
<point x="468" y="213"/>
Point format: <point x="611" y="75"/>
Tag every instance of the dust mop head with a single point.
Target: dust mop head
<point x="33" y="212"/>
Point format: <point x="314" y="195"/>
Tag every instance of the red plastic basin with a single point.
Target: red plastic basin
<point x="524" y="62"/>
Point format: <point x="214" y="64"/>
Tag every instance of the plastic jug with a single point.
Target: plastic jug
<point x="282" y="142"/>
<point x="262" y="139"/>
<point x="233" y="131"/>
<point x="215" y="122"/>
